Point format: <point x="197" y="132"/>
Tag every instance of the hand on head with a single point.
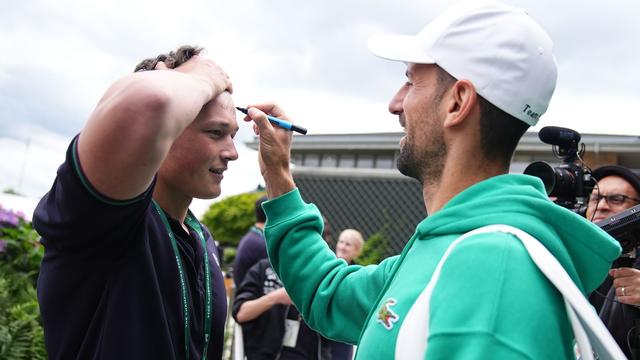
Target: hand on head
<point x="207" y="70"/>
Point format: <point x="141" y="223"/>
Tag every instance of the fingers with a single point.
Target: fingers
<point x="228" y="85"/>
<point x="627" y="285"/>
<point x="282" y="295"/>
<point x="161" y="66"/>
<point x="271" y="109"/>
<point x="628" y="295"/>
<point x="258" y="114"/>
<point x="260" y="120"/>
<point x="623" y="272"/>
<point x="209" y="71"/>
<point x="625" y="275"/>
<point x="285" y="297"/>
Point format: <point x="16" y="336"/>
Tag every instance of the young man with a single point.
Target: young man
<point x="477" y="77"/>
<point x="128" y="271"/>
<point x="618" y="297"/>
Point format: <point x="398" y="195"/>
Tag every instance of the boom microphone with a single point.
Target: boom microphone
<point x="560" y="136"/>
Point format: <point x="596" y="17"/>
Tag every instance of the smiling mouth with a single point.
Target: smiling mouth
<point x="217" y="171"/>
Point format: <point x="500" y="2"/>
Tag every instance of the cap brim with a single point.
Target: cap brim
<point x="403" y="48"/>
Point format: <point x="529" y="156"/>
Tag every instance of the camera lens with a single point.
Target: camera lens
<point x="557" y="181"/>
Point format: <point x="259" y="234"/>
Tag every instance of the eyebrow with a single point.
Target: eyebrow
<point x="221" y="124"/>
<point x="216" y="122"/>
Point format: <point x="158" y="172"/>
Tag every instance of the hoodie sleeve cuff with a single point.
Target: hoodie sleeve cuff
<point x="284" y="207"/>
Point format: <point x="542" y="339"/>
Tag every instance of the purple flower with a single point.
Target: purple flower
<point x="8" y="218"/>
<point x="3" y="246"/>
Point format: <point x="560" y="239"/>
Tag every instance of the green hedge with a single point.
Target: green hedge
<point x="21" y="334"/>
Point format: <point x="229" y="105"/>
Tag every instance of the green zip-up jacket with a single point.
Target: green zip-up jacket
<point x="491" y="301"/>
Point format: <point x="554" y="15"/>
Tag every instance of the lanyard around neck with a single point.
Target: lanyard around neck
<point x="195" y="225"/>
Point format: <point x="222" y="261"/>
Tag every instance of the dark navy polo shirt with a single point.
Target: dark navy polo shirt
<point x="251" y="249"/>
<point x="109" y="284"/>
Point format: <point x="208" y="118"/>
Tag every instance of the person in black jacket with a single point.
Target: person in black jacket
<point x="618" y="298"/>
<point x="272" y="327"/>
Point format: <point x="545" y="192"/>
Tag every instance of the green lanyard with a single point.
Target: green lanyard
<point x="197" y="227"/>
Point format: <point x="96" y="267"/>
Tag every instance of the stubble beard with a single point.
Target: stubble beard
<point x="425" y="166"/>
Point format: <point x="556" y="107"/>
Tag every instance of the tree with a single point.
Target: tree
<point x="228" y="220"/>
<point x="375" y="248"/>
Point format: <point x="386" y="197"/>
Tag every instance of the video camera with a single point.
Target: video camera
<point x="624" y="227"/>
<point x="570" y="183"/>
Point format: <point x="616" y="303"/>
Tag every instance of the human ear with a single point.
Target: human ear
<point x="462" y="100"/>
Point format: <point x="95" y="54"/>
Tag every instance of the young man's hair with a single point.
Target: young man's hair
<point x="499" y="131"/>
<point x="172" y="60"/>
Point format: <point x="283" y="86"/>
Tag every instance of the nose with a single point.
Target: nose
<point x="600" y="208"/>
<point x="230" y="153"/>
<point x="603" y="204"/>
<point x="395" y="105"/>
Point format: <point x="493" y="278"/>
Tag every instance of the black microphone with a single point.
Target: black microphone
<point x="560" y="136"/>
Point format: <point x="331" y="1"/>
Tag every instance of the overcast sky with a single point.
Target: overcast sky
<point x="311" y="57"/>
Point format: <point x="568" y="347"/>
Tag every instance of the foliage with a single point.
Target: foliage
<point x="228" y="220"/>
<point x="375" y="248"/>
<point x="11" y="191"/>
<point x="229" y="255"/>
<point x="21" y="334"/>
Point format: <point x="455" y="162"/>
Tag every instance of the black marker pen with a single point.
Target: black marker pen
<point x="282" y="123"/>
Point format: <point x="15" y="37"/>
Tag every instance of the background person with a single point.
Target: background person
<point x="618" y="298"/>
<point x="272" y="327"/>
<point x="252" y="247"/>
<point x="349" y="245"/>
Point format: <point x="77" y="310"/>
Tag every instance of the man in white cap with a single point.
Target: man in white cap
<point x="477" y="77"/>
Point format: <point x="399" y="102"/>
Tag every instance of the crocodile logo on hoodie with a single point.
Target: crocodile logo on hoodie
<point x="386" y="316"/>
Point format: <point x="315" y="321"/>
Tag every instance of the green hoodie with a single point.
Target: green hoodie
<point x="491" y="301"/>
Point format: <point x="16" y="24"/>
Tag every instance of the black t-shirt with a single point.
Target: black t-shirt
<point x="307" y="343"/>
<point x="109" y="283"/>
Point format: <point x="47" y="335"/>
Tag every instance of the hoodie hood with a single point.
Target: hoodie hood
<point x="584" y="250"/>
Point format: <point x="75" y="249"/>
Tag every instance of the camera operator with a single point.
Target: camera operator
<point x="618" y="297"/>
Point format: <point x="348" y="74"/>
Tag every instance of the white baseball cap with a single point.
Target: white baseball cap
<point x="499" y="48"/>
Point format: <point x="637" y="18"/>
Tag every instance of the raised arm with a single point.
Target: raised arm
<point x="135" y="123"/>
<point x="333" y="298"/>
